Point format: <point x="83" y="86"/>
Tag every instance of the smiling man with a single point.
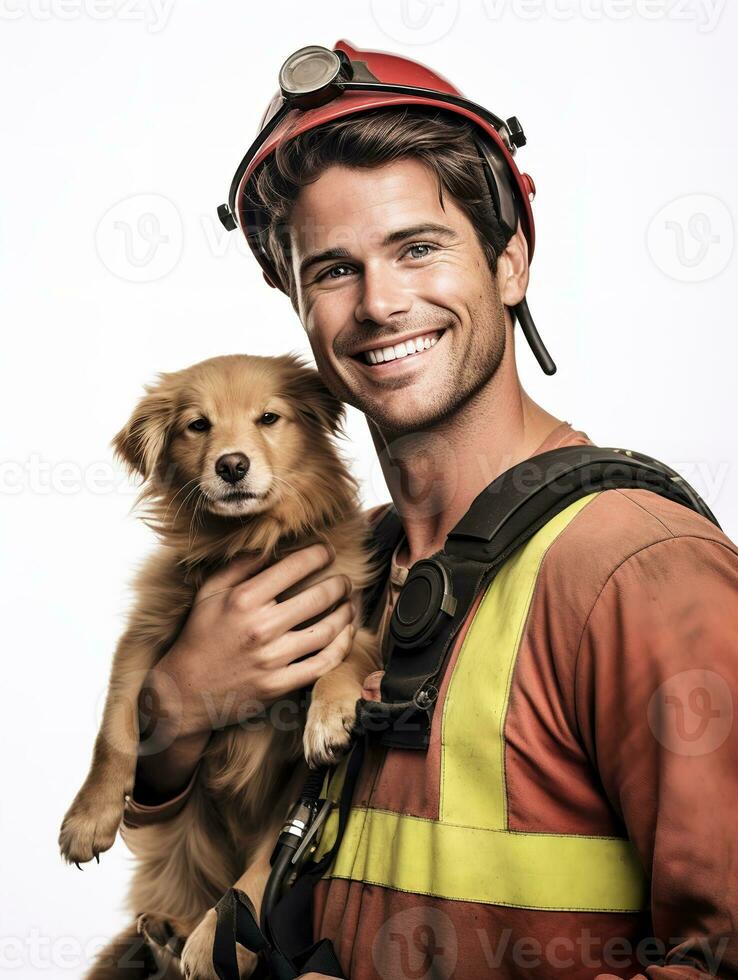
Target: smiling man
<point x="407" y="324"/>
<point x="573" y="813"/>
<point x="415" y="271"/>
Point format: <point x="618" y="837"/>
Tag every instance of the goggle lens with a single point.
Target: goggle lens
<point x="308" y="70"/>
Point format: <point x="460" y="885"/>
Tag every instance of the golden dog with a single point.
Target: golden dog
<point x="238" y="458"/>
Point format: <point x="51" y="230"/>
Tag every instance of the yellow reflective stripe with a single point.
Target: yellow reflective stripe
<point x="469" y="854"/>
<point x="472" y="735"/>
<point x="496" y="867"/>
<point x="328" y="835"/>
<point x="334" y="780"/>
<point x="332" y="789"/>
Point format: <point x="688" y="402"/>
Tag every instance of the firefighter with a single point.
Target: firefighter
<point x="573" y="814"/>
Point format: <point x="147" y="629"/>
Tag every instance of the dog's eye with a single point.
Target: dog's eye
<point x="199" y="425"/>
<point x="269" y="418"/>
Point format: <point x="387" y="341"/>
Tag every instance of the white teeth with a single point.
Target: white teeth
<point x="413" y="346"/>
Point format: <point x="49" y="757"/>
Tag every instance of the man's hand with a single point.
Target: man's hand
<point x="237" y="653"/>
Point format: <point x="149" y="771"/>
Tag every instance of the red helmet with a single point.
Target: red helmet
<point x="318" y="85"/>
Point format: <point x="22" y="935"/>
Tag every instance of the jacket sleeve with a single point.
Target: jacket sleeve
<point x="656" y="685"/>
<point x="136" y="814"/>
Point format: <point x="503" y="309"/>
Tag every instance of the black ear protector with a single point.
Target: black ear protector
<point x="314" y="76"/>
<point x="503" y="200"/>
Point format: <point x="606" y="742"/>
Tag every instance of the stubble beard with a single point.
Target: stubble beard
<point x="470" y="372"/>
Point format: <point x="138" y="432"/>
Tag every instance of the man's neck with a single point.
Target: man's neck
<point x="433" y="476"/>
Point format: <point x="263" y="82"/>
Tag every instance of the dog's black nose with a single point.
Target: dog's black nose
<point x="232" y="467"/>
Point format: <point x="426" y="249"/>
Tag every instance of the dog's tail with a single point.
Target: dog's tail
<point x="129" y="957"/>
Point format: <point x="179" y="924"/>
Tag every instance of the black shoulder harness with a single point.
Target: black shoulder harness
<point x="439" y="591"/>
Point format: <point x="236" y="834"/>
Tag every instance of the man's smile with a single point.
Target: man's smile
<point x="382" y="358"/>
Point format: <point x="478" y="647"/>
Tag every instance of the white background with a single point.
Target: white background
<point x="629" y="110"/>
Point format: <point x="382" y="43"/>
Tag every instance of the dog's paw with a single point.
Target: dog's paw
<point x="328" y="731"/>
<point x="159" y="932"/>
<point x="89" y="827"/>
<point x="197" y="956"/>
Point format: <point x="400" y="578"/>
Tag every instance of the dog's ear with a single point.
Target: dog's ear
<point x="312" y="399"/>
<point x="141" y="441"/>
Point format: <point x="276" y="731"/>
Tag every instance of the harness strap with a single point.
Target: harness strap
<point x="237" y="924"/>
<point x="439" y="591"/>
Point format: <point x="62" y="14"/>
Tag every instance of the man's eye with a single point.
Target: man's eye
<point x="199" y="425"/>
<point x="335" y="272"/>
<point x="269" y="418"/>
<point x="419" y="250"/>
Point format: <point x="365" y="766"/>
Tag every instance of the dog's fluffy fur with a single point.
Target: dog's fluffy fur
<point x="248" y="777"/>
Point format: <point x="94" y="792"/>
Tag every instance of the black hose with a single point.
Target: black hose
<point x="527" y="325"/>
<point x="273" y="890"/>
<point x="287" y="844"/>
<point x="313" y="785"/>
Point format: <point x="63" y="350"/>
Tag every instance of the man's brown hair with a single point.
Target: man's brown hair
<point x="445" y="143"/>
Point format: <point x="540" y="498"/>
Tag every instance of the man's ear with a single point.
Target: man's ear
<point x="512" y="269"/>
<point x="307" y="391"/>
<point x="141" y="441"/>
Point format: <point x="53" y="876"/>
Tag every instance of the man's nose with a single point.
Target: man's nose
<point x="383" y="294"/>
<point x="232" y="467"/>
